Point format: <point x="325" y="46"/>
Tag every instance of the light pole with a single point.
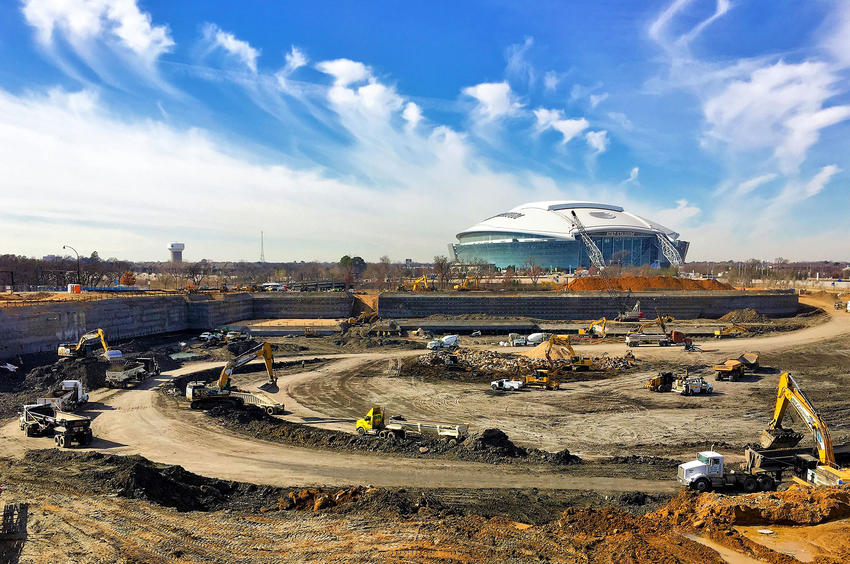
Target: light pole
<point x="78" y="260"/>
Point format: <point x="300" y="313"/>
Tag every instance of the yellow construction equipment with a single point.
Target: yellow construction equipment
<point x="731" y="330"/>
<point x="659" y="321"/>
<point x="86" y="346"/>
<point x="264" y="351"/>
<point x="595" y="329"/>
<point x="466" y="285"/>
<point x="576" y="362"/>
<point x="541" y="379"/>
<point x="663" y="382"/>
<point x="420" y="284"/>
<point x="826" y="471"/>
<point x="364" y="318"/>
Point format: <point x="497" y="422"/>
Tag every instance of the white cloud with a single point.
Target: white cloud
<point x="659" y="27"/>
<point x="680" y="215"/>
<point x="820" y="180"/>
<point x="550" y="81"/>
<point x="295" y="59"/>
<point x="620" y="119"/>
<point x="633" y="177"/>
<point x="412" y="114"/>
<point x="518" y="67"/>
<point x="217" y="38"/>
<point x="749" y="185"/>
<point x="554" y="119"/>
<point x="597" y="140"/>
<point x="596" y="99"/>
<point x="345" y="71"/>
<point x="120" y="22"/>
<point x="836" y="37"/>
<point x="779" y="106"/>
<point x="495" y="100"/>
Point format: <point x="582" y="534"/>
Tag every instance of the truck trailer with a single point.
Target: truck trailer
<point x="39" y="420"/>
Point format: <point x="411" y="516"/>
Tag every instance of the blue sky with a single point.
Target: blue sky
<point x="377" y="128"/>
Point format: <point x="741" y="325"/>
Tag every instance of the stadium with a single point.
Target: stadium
<point x="559" y="234"/>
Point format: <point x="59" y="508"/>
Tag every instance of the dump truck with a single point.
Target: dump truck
<point x="507" y="384"/>
<point x="67" y="397"/>
<point x="139" y="370"/>
<point x="38" y="420"/>
<point x="397" y="427"/>
<point x="692" y="385"/>
<point x="709" y="472"/>
<point x="663" y="382"/>
<point x="444" y="343"/>
<point x="734" y="368"/>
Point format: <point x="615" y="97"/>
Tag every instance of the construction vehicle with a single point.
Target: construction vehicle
<point x="708" y="472"/>
<point x="634" y="314"/>
<point x="541" y="379"/>
<point x="536" y="338"/>
<point x="595" y="329"/>
<point x="38" y="420"/>
<point x="397" y="427"/>
<point x="731" y="330"/>
<point x="823" y="470"/>
<point x="576" y="362"/>
<point x="448" y="342"/>
<point x="466" y="285"/>
<point x="507" y="384"/>
<point x="692" y="385"/>
<point x="734" y="368"/>
<point x="663" y="382"/>
<point x="365" y="318"/>
<point x="67" y="397"/>
<point x="418" y="285"/>
<point x="86" y="346"/>
<point x="139" y="370"/>
<point x="663" y="339"/>
<point x="517" y="340"/>
<point x="596" y="257"/>
<point x="201" y="395"/>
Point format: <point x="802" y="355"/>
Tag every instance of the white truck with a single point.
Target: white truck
<point x="68" y="397"/>
<point x="536" y="338"/>
<point x="38" y="420"/>
<point x="444" y="343"/>
<point x="707" y="472"/>
<point x="507" y="384"/>
<point x="692" y="385"/>
<point x="638" y="339"/>
<point x="517" y="340"/>
<point x="133" y="373"/>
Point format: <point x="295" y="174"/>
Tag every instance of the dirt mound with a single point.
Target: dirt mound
<point x="311" y="499"/>
<point x="491" y="446"/>
<point x="641" y="283"/>
<point x="747" y="315"/>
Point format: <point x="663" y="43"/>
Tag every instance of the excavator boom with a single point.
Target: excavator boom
<point x="264" y="351"/>
<point x="775" y="436"/>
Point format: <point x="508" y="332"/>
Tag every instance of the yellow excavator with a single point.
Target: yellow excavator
<point x="420" y="284"/>
<point x="87" y="344"/>
<point x="364" y="318"/>
<point x="731" y="330"/>
<point x="466" y="285"/>
<point x="659" y="321"/>
<point x="822" y="471"/>
<point x="576" y="362"/>
<point x="202" y="395"/>
<point x="595" y="329"/>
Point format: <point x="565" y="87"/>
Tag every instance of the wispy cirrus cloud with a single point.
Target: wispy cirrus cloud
<point x="216" y="38"/>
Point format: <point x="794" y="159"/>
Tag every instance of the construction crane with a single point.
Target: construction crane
<point x="827" y="471"/>
<point x="576" y="362"/>
<point x="85" y="345"/>
<point x="593" y="251"/>
<point x="669" y="250"/>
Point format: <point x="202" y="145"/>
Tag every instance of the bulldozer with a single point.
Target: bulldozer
<point x="541" y="379"/>
<point x="663" y="382"/>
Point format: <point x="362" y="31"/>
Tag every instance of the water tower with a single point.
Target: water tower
<point x="176" y="250"/>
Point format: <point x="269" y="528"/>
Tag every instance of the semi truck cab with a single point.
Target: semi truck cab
<point x="704" y="472"/>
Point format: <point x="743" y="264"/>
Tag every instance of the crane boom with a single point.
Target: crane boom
<point x="671" y="253"/>
<point x="593" y="251"/>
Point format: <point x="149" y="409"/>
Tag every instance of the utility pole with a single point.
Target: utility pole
<point x="262" y="249"/>
<point x="78" y="260"/>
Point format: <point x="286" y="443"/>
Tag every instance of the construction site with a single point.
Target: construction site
<point x="644" y="421"/>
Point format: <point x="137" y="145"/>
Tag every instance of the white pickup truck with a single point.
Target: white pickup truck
<point x="507" y="385"/>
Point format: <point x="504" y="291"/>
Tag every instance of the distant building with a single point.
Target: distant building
<point x="176" y="250"/>
<point x="51" y="258"/>
<point x="543" y="232"/>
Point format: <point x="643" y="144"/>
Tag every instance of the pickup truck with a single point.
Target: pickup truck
<point x="507" y="385"/>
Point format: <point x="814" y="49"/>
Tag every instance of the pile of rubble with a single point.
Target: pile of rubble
<point x="490" y="361"/>
<point x="312" y="499"/>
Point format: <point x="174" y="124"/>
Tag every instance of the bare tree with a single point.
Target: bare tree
<point x="196" y="272"/>
<point x="443" y="270"/>
<point x="534" y="270"/>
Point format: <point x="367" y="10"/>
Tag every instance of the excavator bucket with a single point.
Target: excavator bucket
<point x="780" y="438"/>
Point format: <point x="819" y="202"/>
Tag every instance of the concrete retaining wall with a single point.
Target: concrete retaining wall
<point x="586" y="305"/>
<point x="40" y="328"/>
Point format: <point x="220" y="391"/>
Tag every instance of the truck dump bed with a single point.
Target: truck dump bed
<point x="455" y="430"/>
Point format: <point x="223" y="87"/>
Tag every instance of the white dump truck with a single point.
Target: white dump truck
<point x="68" y="397"/>
<point x="444" y="343"/>
<point x="707" y="472"/>
<point x="134" y="372"/>
<point x="39" y="420"/>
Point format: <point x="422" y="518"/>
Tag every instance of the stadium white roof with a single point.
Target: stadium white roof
<point x="553" y="219"/>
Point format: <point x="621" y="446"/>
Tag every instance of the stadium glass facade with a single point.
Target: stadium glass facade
<point x="515" y="249"/>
